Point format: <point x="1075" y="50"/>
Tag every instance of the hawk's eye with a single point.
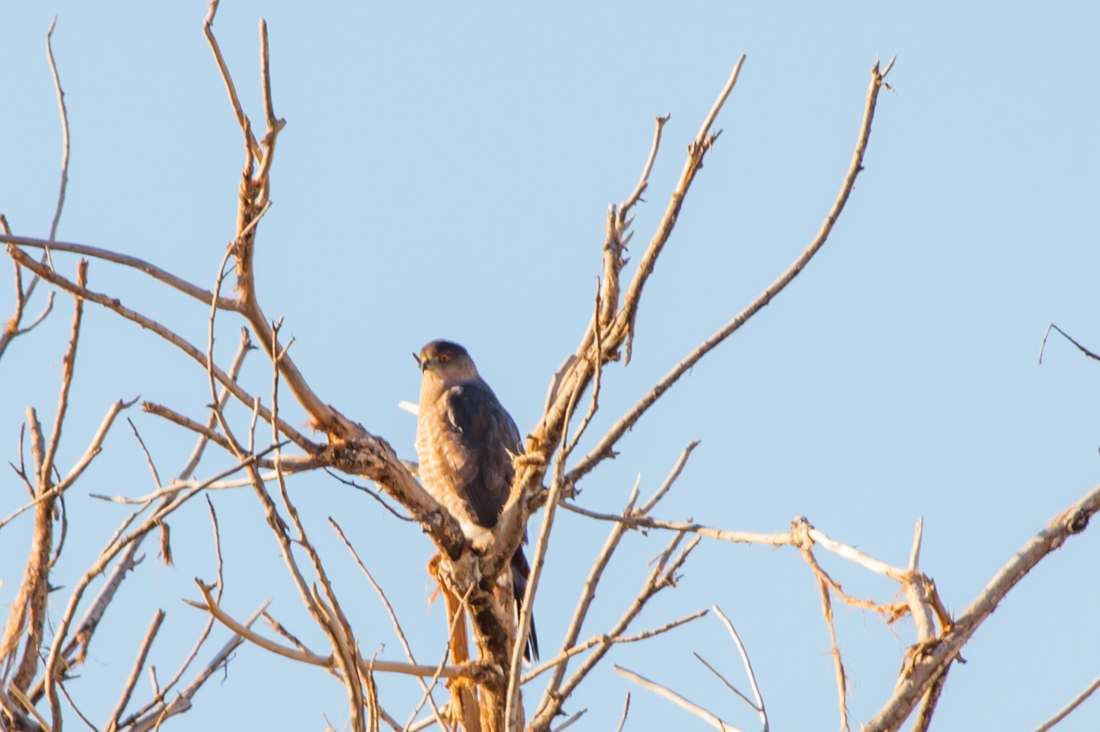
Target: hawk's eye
<point x="444" y="358"/>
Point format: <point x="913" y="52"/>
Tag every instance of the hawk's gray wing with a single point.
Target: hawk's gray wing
<point x="484" y="438"/>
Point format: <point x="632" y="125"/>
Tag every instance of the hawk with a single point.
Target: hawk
<point x="465" y="441"/>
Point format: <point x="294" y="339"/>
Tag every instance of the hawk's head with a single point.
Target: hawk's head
<point x="445" y="361"/>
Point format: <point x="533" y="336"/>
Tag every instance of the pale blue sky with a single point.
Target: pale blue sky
<point x="445" y="172"/>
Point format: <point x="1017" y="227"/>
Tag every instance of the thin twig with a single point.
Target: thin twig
<point x="675" y="698"/>
<point x="183" y="701"/>
<point x="214" y="609"/>
<point x="1070" y="707"/>
<point x="290" y="463"/>
<point x="759" y="706"/>
<point x="773" y="539"/>
<point x="139" y="664"/>
<point x="606" y="639"/>
<point x="643" y="182"/>
<point x="69" y="699"/>
<point x="281" y="630"/>
<point x="597" y="368"/>
<point x="696" y="151"/>
<point x="724" y="680"/>
<point x="64" y="135"/>
<point x="1081" y="348"/>
<point x="214" y="483"/>
<point x="68" y="369"/>
<point x="626" y="710"/>
<point x="41" y="316"/>
<point x="208" y="30"/>
<point x="449" y="672"/>
<point x="148" y="457"/>
<point x="372" y="494"/>
<point x="107" y="255"/>
<point x="569" y="722"/>
<point x="827" y="612"/>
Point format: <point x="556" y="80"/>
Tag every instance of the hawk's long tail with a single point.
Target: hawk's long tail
<point x="520" y="572"/>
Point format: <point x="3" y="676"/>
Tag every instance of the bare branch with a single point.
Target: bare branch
<point x="168" y="335"/>
<point x="802" y="532"/>
<point x="214" y="609"/>
<point x="352" y="448"/>
<point x="675" y="698"/>
<point x="75" y="709"/>
<point x="87" y="625"/>
<point x="661" y="576"/>
<point x="597" y="370"/>
<point x="141" y="265"/>
<point x="139" y="664"/>
<point x="19" y="695"/>
<point x="1064" y="711"/>
<point x="68" y="367"/>
<point x="86" y="628"/>
<point x="265" y="72"/>
<point x="116" y="544"/>
<point x="759" y="706"/>
<point x="569" y="722"/>
<point x="928" y="704"/>
<point x="724" y="680"/>
<point x="696" y="152"/>
<point x="928" y="664"/>
<point x="313" y="659"/>
<point x="336" y="624"/>
<point x="588" y="592"/>
<point x="28" y="610"/>
<point x="643" y="182"/>
<point x="526" y="606"/>
<point x="207" y="432"/>
<point x="41" y="316"/>
<point x="827" y="612"/>
<point x="210" y="484"/>
<point x="393" y="618"/>
<point x="64" y="135"/>
<point x="182" y="702"/>
<point x="370" y="493"/>
<point x="626" y="710"/>
<point x="96" y="445"/>
<point x="606" y="639"/>
<point x="148" y="457"/>
<point x="1067" y="336"/>
<point x="243" y="348"/>
<point x="626" y="318"/>
<point x="11" y="328"/>
<point x="208" y="30"/>
<point x="442" y="664"/>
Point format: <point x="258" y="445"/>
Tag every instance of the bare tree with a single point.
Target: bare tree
<point x="486" y="686"/>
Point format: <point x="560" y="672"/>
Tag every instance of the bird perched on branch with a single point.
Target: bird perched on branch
<point x="465" y="441"/>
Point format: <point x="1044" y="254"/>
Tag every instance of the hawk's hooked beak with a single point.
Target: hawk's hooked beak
<point x="419" y="363"/>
